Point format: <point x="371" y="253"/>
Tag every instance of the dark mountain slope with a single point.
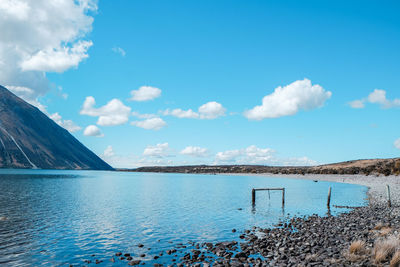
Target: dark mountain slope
<point x="29" y="139"/>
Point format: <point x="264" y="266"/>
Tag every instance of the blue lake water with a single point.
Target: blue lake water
<point x="55" y="218"/>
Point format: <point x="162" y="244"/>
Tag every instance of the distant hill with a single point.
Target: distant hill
<point x="365" y="167"/>
<point x="29" y="139"/>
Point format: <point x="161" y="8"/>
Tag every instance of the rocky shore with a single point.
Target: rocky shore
<point x="365" y="236"/>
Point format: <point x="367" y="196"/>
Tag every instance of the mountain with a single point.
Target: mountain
<point x="29" y="139"/>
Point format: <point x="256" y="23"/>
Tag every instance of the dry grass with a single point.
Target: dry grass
<point x="379" y="226"/>
<point x="353" y="257"/>
<point x="395" y="262"/>
<point x="385" y="231"/>
<point x="384" y="248"/>
<point x="357" y="247"/>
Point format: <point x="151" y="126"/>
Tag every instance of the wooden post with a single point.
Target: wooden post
<point x="388" y="193"/>
<point x="328" y="204"/>
<point x="253" y="196"/>
<point x="283" y="197"/>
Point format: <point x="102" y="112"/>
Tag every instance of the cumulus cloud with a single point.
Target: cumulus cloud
<point x="39" y="36"/>
<point x="158" y="151"/>
<point x="180" y="113"/>
<point x="108" y="152"/>
<point x="69" y="125"/>
<point x="57" y="59"/>
<point x="256" y="155"/>
<point x="150" y="124"/>
<point x="119" y="50"/>
<point x="195" y="151"/>
<point x="145" y="93"/>
<point x="209" y="111"/>
<point x="290" y="99"/>
<point x="378" y="96"/>
<point x="118" y="160"/>
<point x="228" y="155"/>
<point x="93" y="130"/>
<point x="143" y="116"/>
<point x="357" y="104"/>
<point x="250" y="155"/>
<point x="111" y="114"/>
<point x="397" y="143"/>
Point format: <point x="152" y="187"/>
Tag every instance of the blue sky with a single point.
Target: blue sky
<point x="223" y="56"/>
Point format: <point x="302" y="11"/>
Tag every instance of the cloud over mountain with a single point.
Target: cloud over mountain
<point x="39" y="36"/>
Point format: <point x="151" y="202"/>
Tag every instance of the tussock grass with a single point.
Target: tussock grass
<point x="357" y="247"/>
<point x="395" y="262"/>
<point x="384" y="248"/>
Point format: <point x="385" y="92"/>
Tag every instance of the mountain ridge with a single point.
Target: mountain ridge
<point x="30" y="139"/>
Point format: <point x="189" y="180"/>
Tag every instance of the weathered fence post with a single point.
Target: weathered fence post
<point x="388" y="193"/>
<point x="328" y="204"/>
<point x="283" y="197"/>
<point x="253" y="196"/>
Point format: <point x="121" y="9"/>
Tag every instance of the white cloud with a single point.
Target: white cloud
<point x="153" y="162"/>
<point x="288" y="100"/>
<point x="111" y="114"/>
<point x="108" y="152"/>
<point x="145" y="93"/>
<point x="93" y="130"/>
<point x="119" y="50"/>
<point x="256" y="155"/>
<point x="210" y="110"/>
<point x="397" y="143"/>
<point x="228" y="155"/>
<point x="249" y="155"/>
<point x="143" y="116"/>
<point x="158" y="151"/>
<point x="194" y="151"/>
<point x="130" y="160"/>
<point x="69" y="125"/>
<point x="57" y="59"/>
<point x="39" y="36"/>
<point x="378" y="96"/>
<point x="150" y="124"/>
<point x="357" y="104"/>
<point x="179" y="113"/>
<point x="302" y="161"/>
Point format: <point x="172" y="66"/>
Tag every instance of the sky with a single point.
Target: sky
<point x="211" y="82"/>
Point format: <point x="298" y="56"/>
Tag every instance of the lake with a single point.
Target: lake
<point x="53" y="217"/>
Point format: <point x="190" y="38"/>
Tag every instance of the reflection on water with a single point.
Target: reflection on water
<point x="58" y="217"/>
